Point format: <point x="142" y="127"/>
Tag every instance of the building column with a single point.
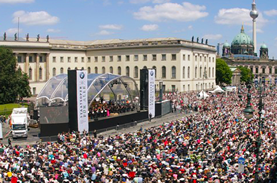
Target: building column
<point x="27" y="63"/>
<point x="47" y="66"/>
<point x="37" y="67"/>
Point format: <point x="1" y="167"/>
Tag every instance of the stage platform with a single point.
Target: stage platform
<point x="52" y="128"/>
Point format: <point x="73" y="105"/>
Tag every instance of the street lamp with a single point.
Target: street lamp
<point x="248" y="111"/>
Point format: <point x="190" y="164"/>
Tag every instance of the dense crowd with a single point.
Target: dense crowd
<point x="203" y="147"/>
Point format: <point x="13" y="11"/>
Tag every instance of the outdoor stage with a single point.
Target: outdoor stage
<point x="52" y="123"/>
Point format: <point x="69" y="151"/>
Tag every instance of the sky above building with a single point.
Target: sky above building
<point x="216" y="20"/>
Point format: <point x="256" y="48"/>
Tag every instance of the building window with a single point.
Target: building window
<point x="155" y="68"/>
<point x="163" y="72"/>
<point x="205" y="59"/>
<point x="95" y="59"/>
<point x="209" y="59"/>
<point x="270" y="70"/>
<point x="54" y="59"/>
<point x="111" y="70"/>
<point x="173" y="72"/>
<point x="40" y="73"/>
<point x="200" y="59"/>
<point x="209" y="72"/>
<point x="257" y="70"/>
<point x="136" y="72"/>
<point x="30" y="73"/>
<point x="34" y="90"/>
<point x="68" y="59"/>
<point x="173" y="88"/>
<point x="200" y="72"/>
<point x="163" y="57"/>
<point x="188" y="72"/>
<point x="89" y="59"/>
<point x="184" y="87"/>
<point x="188" y="87"/>
<point x="30" y="59"/>
<point x="173" y="57"/>
<point x="213" y="59"/>
<point x="19" y="59"/>
<point x="76" y="68"/>
<point x="54" y="71"/>
<point x="144" y="57"/>
<point x="184" y="72"/>
<point x="135" y="57"/>
<point x="195" y="72"/>
<point x="103" y="70"/>
<point x="184" y="58"/>
<point x="154" y="57"/>
<point x="96" y="70"/>
<point x="89" y="70"/>
<point x="103" y="58"/>
<point x="119" y="58"/>
<point x="195" y="58"/>
<point x="188" y="57"/>
<point x="76" y="59"/>
<point x="213" y="73"/>
<point x="127" y="71"/>
<point x="61" y="70"/>
<point x="127" y="58"/>
<point x="119" y="70"/>
<point x="263" y="70"/>
<point x="68" y="68"/>
<point x="83" y="59"/>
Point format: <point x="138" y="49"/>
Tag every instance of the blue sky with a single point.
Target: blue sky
<point x="219" y="21"/>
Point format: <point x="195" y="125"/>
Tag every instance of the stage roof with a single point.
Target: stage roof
<point x="57" y="87"/>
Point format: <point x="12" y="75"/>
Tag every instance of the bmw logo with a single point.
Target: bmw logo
<point x="151" y="73"/>
<point x="82" y="75"/>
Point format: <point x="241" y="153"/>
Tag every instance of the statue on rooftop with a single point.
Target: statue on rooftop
<point x="192" y="39"/>
<point x="47" y="38"/>
<point x="38" y="37"/>
<point x="27" y="37"/>
<point x="15" y="36"/>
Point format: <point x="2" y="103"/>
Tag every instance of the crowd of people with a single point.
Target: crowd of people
<point x="200" y="147"/>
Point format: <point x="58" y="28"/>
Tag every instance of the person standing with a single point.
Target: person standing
<point x="95" y="134"/>
<point x="9" y="142"/>
<point x="150" y="117"/>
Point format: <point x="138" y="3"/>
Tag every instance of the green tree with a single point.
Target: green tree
<point x="13" y="83"/>
<point x="223" y="72"/>
<point x="246" y="74"/>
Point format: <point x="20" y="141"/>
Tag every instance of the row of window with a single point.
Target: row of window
<point x="136" y="70"/>
<point x="31" y="73"/>
<point x="20" y="59"/>
<point x="119" y="58"/>
<point x="263" y="70"/>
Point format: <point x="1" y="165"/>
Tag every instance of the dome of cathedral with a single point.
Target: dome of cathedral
<point x="242" y="39"/>
<point x="264" y="46"/>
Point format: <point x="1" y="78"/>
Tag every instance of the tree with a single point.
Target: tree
<point x="13" y="83"/>
<point x="246" y="74"/>
<point x="223" y="72"/>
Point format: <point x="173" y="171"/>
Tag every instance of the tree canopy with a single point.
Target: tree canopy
<point x="13" y="83"/>
<point x="246" y="74"/>
<point x="223" y="72"/>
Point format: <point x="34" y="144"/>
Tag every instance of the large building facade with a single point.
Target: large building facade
<point x="181" y="65"/>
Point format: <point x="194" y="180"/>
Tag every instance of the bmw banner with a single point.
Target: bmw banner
<point x="82" y="101"/>
<point x="151" y="93"/>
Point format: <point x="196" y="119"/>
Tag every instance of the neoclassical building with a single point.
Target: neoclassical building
<point x="181" y="65"/>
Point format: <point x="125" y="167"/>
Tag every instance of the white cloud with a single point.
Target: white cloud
<point x="53" y="30"/>
<point x="171" y="11"/>
<point x="16" y="1"/>
<point x="104" y="33"/>
<point x="272" y="12"/>
<point x="151" y="27"/>
<point x="111" y="26"/>
<point x="12" y="31"/>
<point x="238" y="16"/>
<point x="212" y="36"/>
<point x="35" y="18"/>
<point x="190" y="27"/>
<point x="146" y="1"/>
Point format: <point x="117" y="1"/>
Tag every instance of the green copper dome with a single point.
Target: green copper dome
<point x="242" y="39"/>
<point x="226" y="44"/>
<point x="264" y="46"/>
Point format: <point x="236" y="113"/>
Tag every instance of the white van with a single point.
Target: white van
<point x="19" y="122"/>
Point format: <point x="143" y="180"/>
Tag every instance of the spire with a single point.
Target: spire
<point x="242" y="29"/>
